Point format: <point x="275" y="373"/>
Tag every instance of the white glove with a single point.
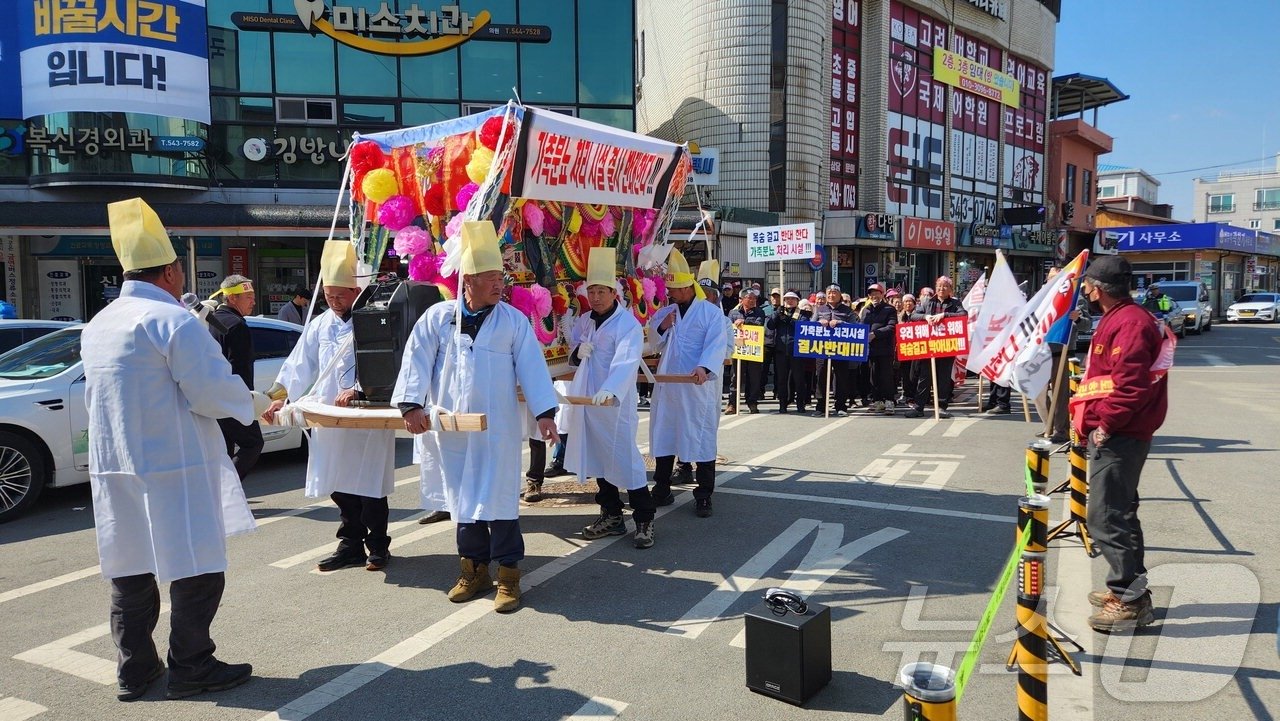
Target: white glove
<point x="260" y="403"/>
<point x="585" y="348"/>
<point x="433" y="414"/>
<point x="603" y="398"/>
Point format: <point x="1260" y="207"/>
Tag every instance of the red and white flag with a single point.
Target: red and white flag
<point x="1002" y="302"/>
<point x="972" y="303"/>
<point x="1018" y="356"/>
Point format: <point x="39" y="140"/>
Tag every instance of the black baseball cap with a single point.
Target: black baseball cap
<point x="1111" y="269"/>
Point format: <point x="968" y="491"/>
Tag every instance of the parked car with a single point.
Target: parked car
<point x="14" y="333"/>
<point x="1255" y="306"/>
<point x="1193" y="297"/>
<point x="1178" y="319"/>
<point x="1084" y="338"/>
<point x="44" y="434"/>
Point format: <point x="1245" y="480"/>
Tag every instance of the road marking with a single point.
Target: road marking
<point x="893" y="507"/>
<point x="15" y="709"/>
<point x="49" y="583"/>
<point x="322" y="503"/>
<point x="889" y="472"/>
<point x="1072" y="697"/>
<point x="957" y="426"/>
<point x="319" y="551"/>
<point x="747" y="418"/>
<point x="425" y="532"/>
<point x="60" y="655"/>
<point x="923" y="428"/>
<point x="708" y="610"/>
<point x="903" y="449"/>
<point x="826" y="558"/>
<point x="326" y="694"/>
<point x="745" y="467"/>
<point x="1217" y="360"/>
<point x="598" y="709"/>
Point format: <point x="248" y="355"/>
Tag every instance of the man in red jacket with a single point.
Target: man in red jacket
<point x="1120" y="405"/>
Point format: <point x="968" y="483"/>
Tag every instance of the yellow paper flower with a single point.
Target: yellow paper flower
<point x="379" y="184"/>
<point x="478" y="165"/>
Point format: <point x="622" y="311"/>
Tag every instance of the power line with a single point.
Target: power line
<point x="1212" y="167"/>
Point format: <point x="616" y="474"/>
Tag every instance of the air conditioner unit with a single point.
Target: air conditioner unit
<point x="306" y="111"/>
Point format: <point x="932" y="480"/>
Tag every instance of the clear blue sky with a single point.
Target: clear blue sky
<point x="1201" y="81"/>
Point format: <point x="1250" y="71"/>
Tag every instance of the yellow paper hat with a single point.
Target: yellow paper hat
<point x="480" y="252"/>
<point x="709" y="269"/>
<point x="338" y="264"/>
<point x="601" y="265"/>
<point x="678" y="275"/>
<point x="138" y="236"/>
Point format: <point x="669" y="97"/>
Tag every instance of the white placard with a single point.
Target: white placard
<point x="12" y="272"/>
<point x="59" y="289"/>
<point x="780" y="242"/>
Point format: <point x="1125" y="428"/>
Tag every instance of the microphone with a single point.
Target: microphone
<point x="203" y="311"/>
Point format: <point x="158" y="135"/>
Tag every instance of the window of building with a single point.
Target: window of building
<point x="1107" y="191"/>
<point x="1266" y="199"/>
<point x="1086" y="188"/>
<point x="239" y="62"/>
<point x="1222" y="203"/>
<point x="363" y="74"/>
<point x="430" y="76"/>
<point x="488" y="70"/>
<point x="621" y="118"/>
<point x="1069" y="192"/>
<point x="1275" y="224"/>
<point x="426" y="113"/>
<point x="1255" y="224"/>
<point x="605" y="26"/>
<point x="547" y="72"/>
<point x="303" y="64"/>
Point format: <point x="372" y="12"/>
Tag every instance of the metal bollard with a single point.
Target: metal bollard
<point x="928" y="692"/>
<point x="1034" y="510"/>
<point x="1031" y="648"/>
<point x="1077" y="501"/>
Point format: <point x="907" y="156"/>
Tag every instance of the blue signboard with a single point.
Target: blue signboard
<point x="1237" y="239"/>
<point x="177" y="144"/>
<point x="1192" y="236"/>
<point x="1268" y="243"/>
<point x="10" y="72"/>
<point x="97" y="245"/>
<point x="847" y="341"/>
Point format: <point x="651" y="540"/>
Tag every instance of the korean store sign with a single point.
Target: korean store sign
<point x="114" y="56"/>
<point x="960" y="72"/>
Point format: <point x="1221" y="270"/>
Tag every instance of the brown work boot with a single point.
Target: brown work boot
<point x="1098" y="599"/>
<point x="1116" y="615"/>
<point x="508" y="598"/>
<point x="473" y="581"/>
<point x="532" y="490"/>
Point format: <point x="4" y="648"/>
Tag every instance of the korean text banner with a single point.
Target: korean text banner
<point x="922" y="340"/>
<point x="562" y="158"/>
<point x="748" y="343"/>
<point x="10" y="75"/>
<point x="847" y="341"/>
<point x="114" y="56"/>
<point x="780" y="242"/>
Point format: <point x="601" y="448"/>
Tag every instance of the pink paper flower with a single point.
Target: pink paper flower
<point x="396" y="212"/>
<point x="454" y="227"/>
<point x="412" y="241"/>
<point x="533" y="217"/>
<point x="464" y="195"/>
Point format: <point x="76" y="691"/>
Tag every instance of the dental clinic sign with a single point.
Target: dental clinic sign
<point x="114" y="56"/>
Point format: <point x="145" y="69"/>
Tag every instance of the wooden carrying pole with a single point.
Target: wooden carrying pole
<point x="574" y="400"/>
<point x="389" y="419"/>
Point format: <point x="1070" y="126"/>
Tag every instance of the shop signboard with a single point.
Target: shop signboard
<point x="100" y="246"/>
<point x="960" y="72"/>
<point x="59" y="288"/>
<point x="928" y="234"/>
<point x="846" y="53"/>
<point x="877" y="226"/>
<point x="10" y="73"/>
<point x="10" y="257"/>
<point x="706" y="167"/>
<point x="1187" y="237"/>
<point x="124" y="56"/>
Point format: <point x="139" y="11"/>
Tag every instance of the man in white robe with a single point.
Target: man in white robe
<point x="466" y="356"/>
<point x="685" y="417"/>
<point x="165" y="494"/>
<point x="607" y="356"/>
<point x="355" y="468"/>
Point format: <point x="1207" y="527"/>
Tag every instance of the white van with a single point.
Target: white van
<point x="1193" y="298"/>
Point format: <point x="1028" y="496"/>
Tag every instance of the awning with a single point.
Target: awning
<point x="1076" y="93"/>
<point x="83" y="218"/>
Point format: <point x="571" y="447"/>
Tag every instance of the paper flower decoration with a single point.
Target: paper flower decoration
<point x="552" y="225"/>
<point x="396" y="212"/>
<point x="412" y="242"/>
<point x="379" y="184"/>
<point x="575" y="221"/>
<point x="454" y="228"/>
<point x="478" y="165"/>
<point x="533" y="217"/>
<point x="366" y="156"/>
<point x="433" y="199"/>
<point x="464" y="195"/>
<point x="490" y="131"/>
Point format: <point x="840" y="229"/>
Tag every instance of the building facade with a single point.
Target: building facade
<point x="904" y="130"/>
<point x="248" y="109"/>
<point x="1243" y="198"/>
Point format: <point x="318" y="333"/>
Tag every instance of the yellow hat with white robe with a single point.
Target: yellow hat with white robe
<point x="709" y="270"/>
<point x="138" y="236"/>
<point x="338" y="264"/>
<point x="601" y="267"/>
<point x="480" y="251"/>
<point x="679" y="275"/>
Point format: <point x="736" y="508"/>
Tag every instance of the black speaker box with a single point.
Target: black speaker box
<point x="788" y="657"/>
<point x="381" y="322"/>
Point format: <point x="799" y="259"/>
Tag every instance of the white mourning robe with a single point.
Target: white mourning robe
<point x="684" y="418"/>
<point x="360" y="462"/>
<point x="165" y="494"/>
<point x="477" y="473"/>
<point x="603" y="438"/>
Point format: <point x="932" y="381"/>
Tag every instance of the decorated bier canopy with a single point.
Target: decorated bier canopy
<point x="554" y="186"/>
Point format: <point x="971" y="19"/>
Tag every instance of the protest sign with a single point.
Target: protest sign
<point x="748" y="343"/>
<point x="921" y="340"/>
<point x="847" y="341"/>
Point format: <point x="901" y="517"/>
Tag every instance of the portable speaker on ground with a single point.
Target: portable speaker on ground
<point x="381" y="323"/>
<point x="788" y="656"/>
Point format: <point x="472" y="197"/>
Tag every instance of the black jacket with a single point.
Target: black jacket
<point x="881" y="319"/>
<point x="237" y="342"/>
<point x="780" y="329"/>
<point x="842" y="313"/>
<point x="953" y="308"/>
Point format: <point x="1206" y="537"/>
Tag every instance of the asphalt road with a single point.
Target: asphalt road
<point x="900" y="526"/>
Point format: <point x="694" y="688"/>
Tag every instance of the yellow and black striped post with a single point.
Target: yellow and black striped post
<point x="1077" y="501"/>
<point x="1032" y="646"/>
<point x="928" y="692"/>
<point x="1075" y="367"/>
<point x="1038" y="465"/>
<point x="1032" y="511"/>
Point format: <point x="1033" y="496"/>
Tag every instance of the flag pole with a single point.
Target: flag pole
<point x="980" y="396"/>
<point x="1026" y="408"/>
<point x="737" y="385"/>
<point x="1057" y="378"/>
<point x="826" y="405"/>
<point x="933" y="372"/>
